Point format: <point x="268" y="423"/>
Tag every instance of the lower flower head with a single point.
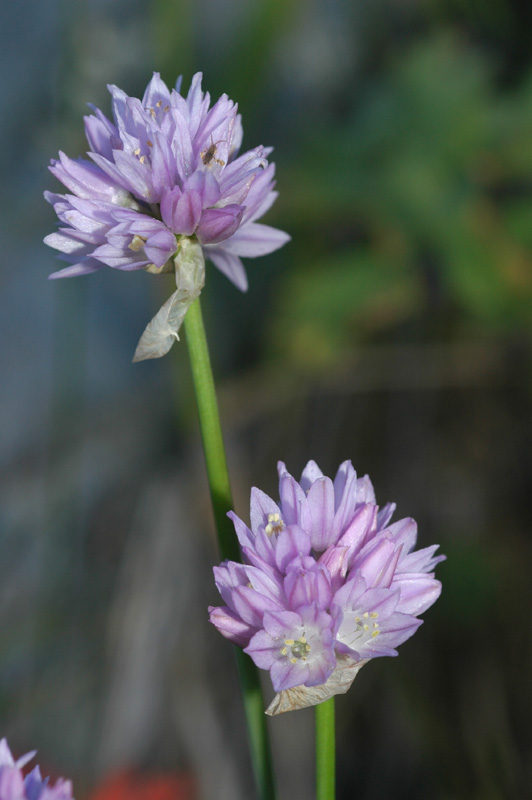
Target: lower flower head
<point x="328" y="583"/>
<point x="165" y="169"/>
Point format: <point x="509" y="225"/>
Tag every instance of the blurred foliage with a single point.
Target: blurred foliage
<point x="173" y="37"/>
<point x="419" y="204"/>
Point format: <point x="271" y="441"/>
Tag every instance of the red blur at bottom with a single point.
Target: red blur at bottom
<point x="145" y="786"/>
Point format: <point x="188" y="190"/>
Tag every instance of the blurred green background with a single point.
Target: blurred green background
<point x="395" y="330"/>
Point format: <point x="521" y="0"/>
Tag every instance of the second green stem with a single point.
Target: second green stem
<point x="220" y="488"/>
<point x="325" y="751"/>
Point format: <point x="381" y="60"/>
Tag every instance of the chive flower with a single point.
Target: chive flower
<point x="165" y="188"/>
<point x="327" y="584"/>
<point x="15" y="786"/>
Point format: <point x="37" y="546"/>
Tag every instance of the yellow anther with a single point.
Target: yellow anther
<point x="307" y="647"/>
<point x="159" y="103"/>
<point x="366" y="627"/>
<point x="152" y="112"/>
<point x="357" y="619"/>
<point x="275" y="524"/>
<point x="293" y="660"/>
<point x="284" y="651"/>
<point x="142" y="159"/>
<point x="374" y="615"/>
<point x="375" y="624"/>
<point x="137" y="243"/>
<point x="302" y="639"/>
<point x="365" y="615"/>
<point x="289" y="641"/>
<point x="166" y="108"/>
<point x="374" y="634"/>
<point x="136" y="152"/>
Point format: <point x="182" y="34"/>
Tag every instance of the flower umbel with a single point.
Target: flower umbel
<point x="165" y="189"/>
<point x="327" y="584"/>
<point x="14" y="786"/>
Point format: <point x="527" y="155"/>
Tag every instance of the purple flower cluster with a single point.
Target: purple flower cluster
<point x="165" y="170"/>
<point x="14" y="786"/>
<point x="328" y="583"/>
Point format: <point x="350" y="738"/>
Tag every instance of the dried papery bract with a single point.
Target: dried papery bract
<point x="161" y="332"/>
<point x="339" y="682"/>
<point x="327" y="584"/>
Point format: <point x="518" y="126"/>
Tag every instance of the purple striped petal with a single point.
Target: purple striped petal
<point x="253" y="240"/>
<point x="231" y="625"/>
<point x="218" y="224"/>
<point x="320" y="499"/>
<point x="291" y="543"/>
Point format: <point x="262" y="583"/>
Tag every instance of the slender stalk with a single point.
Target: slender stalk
<point x="211" y="432"/>
<point x="220" y="489"/>
<point x="325" y="751"/>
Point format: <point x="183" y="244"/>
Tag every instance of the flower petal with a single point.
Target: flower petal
<point x="218" y="224"/>
<point x="230" y="265"/>
<point x="292" y="542"/>
<point x="254" y="239"/>
<point x="75" y="270"/>
<point x="156" y="92"/>
<point x="310" y="474"/>
<point x="181" y="211"/>
<point x="320" y="499"/>
<point x="261" y="508"/>
<point x="231" y="626"/>
<point x="418" y="592"/>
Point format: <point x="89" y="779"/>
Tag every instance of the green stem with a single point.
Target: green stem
<point x="220" y="489"/>
<point x="325" y="751"/>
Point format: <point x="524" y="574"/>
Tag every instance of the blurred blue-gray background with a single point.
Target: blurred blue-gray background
<point x="393" y="330"/>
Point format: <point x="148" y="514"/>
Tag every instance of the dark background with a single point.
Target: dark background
<point x="393" y="330"/>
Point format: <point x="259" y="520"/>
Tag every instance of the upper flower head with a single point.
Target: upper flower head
<point x="164" y="189"/>
<point x="327" y="585"/>
<point x="14" y="786"/>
